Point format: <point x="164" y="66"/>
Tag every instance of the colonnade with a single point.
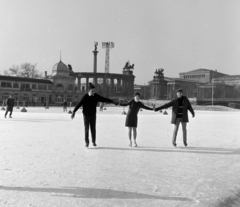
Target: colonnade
<point x="120" y="86"/>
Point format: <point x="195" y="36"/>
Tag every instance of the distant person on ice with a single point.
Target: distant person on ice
<point x="64" y="106"/>
<point x="10" y="105"/>
<point x="89" y="103"/>
<point x="132" y="118"/>
<point x="180" y="106"/>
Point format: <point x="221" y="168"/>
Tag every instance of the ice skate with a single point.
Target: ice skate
<point x="94" y="145"/>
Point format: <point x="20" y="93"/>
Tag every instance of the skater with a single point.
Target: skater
<point x="132" y="118"/>
<point x="89" y="103"/>
<point x="101" y="106"/>
<point x="180" y="106"/>
<point x="64" y="106"/>
<point x="10" y="104"/>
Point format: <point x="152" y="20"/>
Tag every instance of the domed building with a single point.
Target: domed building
<point x="63" y="84"/>
<point x="60" y="69"/>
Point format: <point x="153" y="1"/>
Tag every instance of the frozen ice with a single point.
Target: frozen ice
<point x="44" y="162"/>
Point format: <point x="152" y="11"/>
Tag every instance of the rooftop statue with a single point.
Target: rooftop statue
<point x="159" y="72"/>
<point x="128" y="66"/>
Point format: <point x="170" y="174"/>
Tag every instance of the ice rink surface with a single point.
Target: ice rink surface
<point x="43" y="161"/>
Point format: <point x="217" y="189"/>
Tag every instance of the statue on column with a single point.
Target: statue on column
<point x="95" y="45"/>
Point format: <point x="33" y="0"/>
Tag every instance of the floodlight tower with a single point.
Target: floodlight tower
<point x="107" y="46"/>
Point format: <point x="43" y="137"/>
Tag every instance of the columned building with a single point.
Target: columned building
<point x="201" y="75"/>
<point x="64" y="84"/>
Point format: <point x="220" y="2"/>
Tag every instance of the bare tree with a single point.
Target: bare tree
<point x="13" y="71"/>
<point x="24" y="70"/>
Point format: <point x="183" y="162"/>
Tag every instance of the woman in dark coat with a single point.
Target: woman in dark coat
<point x="132" y="118"/>
<point x="180" y="107"/>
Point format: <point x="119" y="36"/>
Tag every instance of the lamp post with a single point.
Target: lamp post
<point x="212" y="88"/>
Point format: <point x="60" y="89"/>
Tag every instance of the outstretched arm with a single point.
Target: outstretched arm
<point x="146" y="107"/>
<point x="103" y="99"/>
<point x="167" y="105"/>
<point x="126" y="104"/>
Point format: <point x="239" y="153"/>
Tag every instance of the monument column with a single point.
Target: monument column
<point x="95" y="83"/>
<point x="122" y="85"/>
<point x="117" y="86"/>
<point x="95" y="52"/>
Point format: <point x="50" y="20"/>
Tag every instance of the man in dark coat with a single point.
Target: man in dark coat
<point x="10" y="104"/>
<point x="180" y="106"/>
<point x="89" y="103"/>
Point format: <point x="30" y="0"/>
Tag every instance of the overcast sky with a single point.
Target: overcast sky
<point x="177" y="35"/>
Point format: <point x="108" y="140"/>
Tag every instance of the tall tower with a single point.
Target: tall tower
<point x="107" y="46"/>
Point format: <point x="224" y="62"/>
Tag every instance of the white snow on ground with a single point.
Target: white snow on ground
<point x="43" y="161"/>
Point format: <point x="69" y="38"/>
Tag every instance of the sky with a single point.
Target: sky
<point x="177" y="35"/>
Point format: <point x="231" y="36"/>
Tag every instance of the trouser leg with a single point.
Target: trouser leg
<point x="6" y="112"/>
<point x="11" y="110"/>
<point x="93" y="127"/>
<point x="175" y="131"/>
<point x="86" y="127"/>
<point x="184" y="129"/>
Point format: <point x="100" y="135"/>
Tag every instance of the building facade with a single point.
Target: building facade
<point x="64" y="84"/>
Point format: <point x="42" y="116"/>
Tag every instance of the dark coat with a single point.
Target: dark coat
<point x="134" y="107"/>
<point x="89" y="103"/>
<point x="174" y="104"/>
<point x="10" y="103"/>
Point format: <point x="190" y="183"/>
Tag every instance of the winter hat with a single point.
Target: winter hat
<point x="137" y="94"/>
<point x="179" y="90"/>
<point x="90" y="86"/>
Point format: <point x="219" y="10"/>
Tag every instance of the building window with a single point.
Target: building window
<point x="25" y="86"/>
<point x="15" y="97"/>
<point x="70" y="87"/>
<point x="44" y="87"/>
<point x="39" y="87"/>
<point x="59" y="86"/>
<point x="6" y="85"/>
<point x="69" y="98"/>
<point x="34" y="98"/>
<point x="49" y="87"/>
<point x="59" y="99"/>
<point x="15" y="85"/>
<point x="25" y="97"/>
<point x="34" y="86"/>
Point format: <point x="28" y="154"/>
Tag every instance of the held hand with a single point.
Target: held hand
<point x="73" y="115"/>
